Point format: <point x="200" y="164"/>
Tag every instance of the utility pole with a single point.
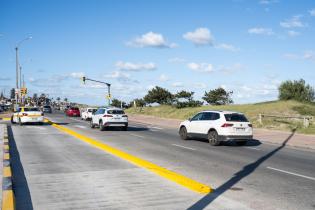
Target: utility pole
<point x="20" y="76"/>
<point x="108" y="87"/>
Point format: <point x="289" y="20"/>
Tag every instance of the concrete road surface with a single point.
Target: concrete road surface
<point x="53" y="170"/>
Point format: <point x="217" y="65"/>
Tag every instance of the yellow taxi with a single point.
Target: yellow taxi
<point x="27" y="115"/>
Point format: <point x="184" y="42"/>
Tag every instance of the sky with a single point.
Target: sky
<point x="245" y="46"/>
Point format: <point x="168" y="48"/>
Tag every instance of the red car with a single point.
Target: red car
<point x="73" y="112"/>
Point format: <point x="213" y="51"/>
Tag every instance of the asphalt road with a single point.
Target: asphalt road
<point x="53" y="170"/>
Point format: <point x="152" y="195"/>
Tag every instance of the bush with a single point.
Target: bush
<point x="296" y="90"/>
<point x="192" y="103"/>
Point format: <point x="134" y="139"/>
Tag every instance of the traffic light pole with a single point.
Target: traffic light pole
<point x="108" y="87"/>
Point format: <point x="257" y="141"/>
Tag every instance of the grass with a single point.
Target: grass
<point x="282" y="108"/>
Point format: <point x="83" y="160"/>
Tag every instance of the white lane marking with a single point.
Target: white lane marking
<point x="254" y="148"/>
<point x="291" y="173"/>
<point x="76" y="119"/>
<point x="80" y="126"/>
<point x="136" y="135"/>
<point x="155" y="127"/>
<point x="176" y="145"/>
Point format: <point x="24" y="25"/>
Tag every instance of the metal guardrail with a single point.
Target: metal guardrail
<point x="306" y="119"/>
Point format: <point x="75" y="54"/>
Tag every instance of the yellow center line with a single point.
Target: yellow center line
<point x="7" y="200"/>
<point x="163" y="172"/>
<point x="7" y="171"/>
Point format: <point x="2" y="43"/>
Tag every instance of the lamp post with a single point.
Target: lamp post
<point x="18" y="67"/>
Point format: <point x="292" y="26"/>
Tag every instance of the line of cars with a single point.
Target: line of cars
<point x="103" y="117"/>
<point x="216" y="126"/>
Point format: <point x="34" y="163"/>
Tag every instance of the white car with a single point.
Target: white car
<point x="109" y="117"/>
<point x="27" y="115"/>
<point x="218" y="126"/>
<point x="87" y="113"/>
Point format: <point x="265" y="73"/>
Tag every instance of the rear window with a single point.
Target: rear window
<point x="115" y="111"/>
<point x="75" y="108"/>
<point x="235" y="117"/>
<point x="31" y="109"/>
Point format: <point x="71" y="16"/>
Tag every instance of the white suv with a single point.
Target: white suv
<point x="218" y="126"/>
<point x="109" y="117"/>
<point x="87" y="113"/>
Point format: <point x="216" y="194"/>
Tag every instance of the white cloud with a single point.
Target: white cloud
<point x="292" y="33"/>
<point x="121" y="76"/>
<point x="294" y="22"/>
<point x="199" y="85"/>
<point x="177" y="84"/>
<point x="163" y="78"/>
<point x="291" y="56"/>
<point x="230" y="69"/>
<point x="227" y="47"/>
<point x="151" y="39"/>
<point x="312" y="12"/>
<point x="309" y="55"/>
<point x="77" y="75"/>
<point x="267" y="2"/>
<point x="176" y="60"/>
<point x="127" y="66"/>
<point x="261" y="31"/>
<point x="201" y="36"/>
<point x="201" y="67"/>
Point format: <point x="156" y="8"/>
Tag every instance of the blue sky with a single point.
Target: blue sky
<point x="247" y="47"/>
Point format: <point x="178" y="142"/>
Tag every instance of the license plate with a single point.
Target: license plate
<point x="34" y="118"/>
<point x="240" y="129"/>
<point x="116" y="118"/>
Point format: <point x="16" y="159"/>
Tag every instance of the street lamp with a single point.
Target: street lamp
<point x="18" y="65"/>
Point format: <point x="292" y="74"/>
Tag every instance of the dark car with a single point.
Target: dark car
<point x="47" y="109"/>
<point x="73" y="112"/>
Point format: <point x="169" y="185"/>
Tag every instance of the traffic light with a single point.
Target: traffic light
<point x="83" y="80"/>
<point x="23" y="91"/>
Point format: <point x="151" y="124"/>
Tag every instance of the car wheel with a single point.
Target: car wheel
<point x="213" y="138"/>
<point x="101" y="126"/>
<point x="20" y="122"/>
<point x="183" y="133"/>
<point x="125" y="128"/>
<point x="12" y="121"/>
<point x="241" y="143"/>
<point x="92" y="124"/>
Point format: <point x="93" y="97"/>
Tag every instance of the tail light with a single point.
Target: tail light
<point x="24" y="114"/>
<point x="125" y="115"/>
<point x="225" y="125"/>
<point x="108" y="115"/>
<point x="250" y="125"/>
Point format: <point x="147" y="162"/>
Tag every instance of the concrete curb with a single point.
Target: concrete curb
<point x="8" y="201"/>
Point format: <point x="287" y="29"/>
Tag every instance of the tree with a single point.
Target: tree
<point x="138" y="101"/>
<point x="218" y="96"/>
<point x="185" y="95"/>
<point x="296" y="90"/>
<point x="12" y="93"/>
<point x="159" y="95"/>
<point x="118" y="103"/>
<point x="65" y="99"/>
<point x="185" y="99"/>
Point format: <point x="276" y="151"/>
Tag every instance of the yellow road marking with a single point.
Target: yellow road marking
<point x="6" y="118"/>
<point x="7" y="156"/>
<point x="7" y="171"/>
<point x="7" y="200"/>
<point x="170" y="175"/>
<point x="6" y="147"/>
